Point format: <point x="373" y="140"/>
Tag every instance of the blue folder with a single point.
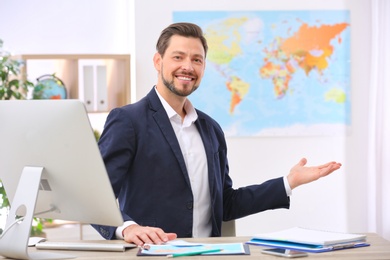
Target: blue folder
<point x="306" y="247"/>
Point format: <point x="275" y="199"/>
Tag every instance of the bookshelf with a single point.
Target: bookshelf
<point x="68" y="70"/>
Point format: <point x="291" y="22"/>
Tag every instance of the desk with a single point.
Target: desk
<point x="379" y="249"/>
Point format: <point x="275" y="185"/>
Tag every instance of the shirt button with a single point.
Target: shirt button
<point x="190" y="205"/>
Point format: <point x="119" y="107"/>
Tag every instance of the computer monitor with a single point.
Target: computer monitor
<point x="50" y="164"/>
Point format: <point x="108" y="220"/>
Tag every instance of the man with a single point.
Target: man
<point x="167" y="161"/>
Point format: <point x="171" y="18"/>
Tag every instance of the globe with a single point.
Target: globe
<point x="49" y="87"/>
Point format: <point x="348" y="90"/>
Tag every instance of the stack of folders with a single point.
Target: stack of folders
<point x="309" y="240"/>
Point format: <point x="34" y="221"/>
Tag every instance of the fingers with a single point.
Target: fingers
<point x="140" y="235"/>
<point x="332" y="164"/>
<point x="135" y="240"/>
<point x="329" y="168"/>
<point x="171" y="236"/>
<point x="302" y="162"/>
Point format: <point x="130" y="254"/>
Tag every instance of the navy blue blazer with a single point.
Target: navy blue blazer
<point x="149" y="176"/>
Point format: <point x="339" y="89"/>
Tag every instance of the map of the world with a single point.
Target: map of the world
<point x="275" y="72"/>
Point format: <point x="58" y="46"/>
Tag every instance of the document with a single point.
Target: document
<point x="309" y="240"/>
<point x="177" y="248"/>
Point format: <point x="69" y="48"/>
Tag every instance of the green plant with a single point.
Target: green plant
<point x="96" y="134"/>
<point x="13" y="85"/>
<point x="4" y="202"/>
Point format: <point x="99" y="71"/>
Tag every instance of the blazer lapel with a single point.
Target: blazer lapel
<point x="204" y="132"/>
<point x="162" y="120"/>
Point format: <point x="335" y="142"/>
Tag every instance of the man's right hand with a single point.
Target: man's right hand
<point x="140" y="235"/>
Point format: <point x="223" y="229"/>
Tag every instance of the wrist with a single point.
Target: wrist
<point x="119" y="233"/>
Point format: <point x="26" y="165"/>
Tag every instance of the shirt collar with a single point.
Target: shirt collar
<point x="191" y="115"/>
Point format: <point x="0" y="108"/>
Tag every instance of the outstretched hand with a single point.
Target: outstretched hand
<point x="301" y="174"/>
<point x="140" y="235"/>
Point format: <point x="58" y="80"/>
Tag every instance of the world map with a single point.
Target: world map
<point x="275" y="72"/>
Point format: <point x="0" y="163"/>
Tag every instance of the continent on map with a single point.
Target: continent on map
<point x="309" y="48"/>
<point x="239" y="90"/>
<point x="223" y="41"/>
<point x="335" y="95"/>
<point x="312" y="45"/>
<point x="224" y="45"/>
<point x="280" y="75"/>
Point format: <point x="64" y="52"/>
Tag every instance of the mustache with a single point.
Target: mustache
<point x="186" y="73"/>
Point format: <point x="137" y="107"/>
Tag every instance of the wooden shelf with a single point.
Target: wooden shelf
<point x="118" y="74"/>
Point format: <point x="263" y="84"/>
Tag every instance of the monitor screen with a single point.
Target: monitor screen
<point x="56" y="136"/>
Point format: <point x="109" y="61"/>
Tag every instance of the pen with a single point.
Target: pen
<point x="350" y="245"/>
<point x="194" y="253"/>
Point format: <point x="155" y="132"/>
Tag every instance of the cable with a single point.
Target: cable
<point x="53" y="208"/>
<point x="9" y="227"/>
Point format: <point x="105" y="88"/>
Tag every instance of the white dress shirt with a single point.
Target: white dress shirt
<point x="194" y="154"/>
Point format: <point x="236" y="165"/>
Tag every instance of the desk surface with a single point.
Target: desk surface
<point x="379" y="249"/>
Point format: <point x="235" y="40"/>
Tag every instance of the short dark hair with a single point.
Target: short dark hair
<point x="182" y="29"/>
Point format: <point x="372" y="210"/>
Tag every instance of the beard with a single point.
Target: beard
<point x="171" y="86"/>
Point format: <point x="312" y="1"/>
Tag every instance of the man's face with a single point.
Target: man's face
<point x="182" y="67"/>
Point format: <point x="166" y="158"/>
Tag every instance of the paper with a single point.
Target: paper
<point x="177" y="242"/>
<point x="180" y="248"/>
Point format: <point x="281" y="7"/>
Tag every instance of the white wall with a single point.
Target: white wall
<point x="104" y="26"/>
<point x="54" y="26"/>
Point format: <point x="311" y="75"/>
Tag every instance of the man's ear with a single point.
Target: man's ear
<point x="157" y="61"/>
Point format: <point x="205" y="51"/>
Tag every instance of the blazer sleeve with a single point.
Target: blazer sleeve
<point x="116" y="146"/>
<point x="256" y="198"/>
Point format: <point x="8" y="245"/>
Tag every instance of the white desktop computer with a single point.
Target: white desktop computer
<point x="51" y="167"/>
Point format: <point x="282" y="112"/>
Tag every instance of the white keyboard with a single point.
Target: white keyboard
<point x="84" y="246"/>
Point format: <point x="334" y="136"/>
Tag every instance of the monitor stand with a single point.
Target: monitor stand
<point x="14" y="241"/>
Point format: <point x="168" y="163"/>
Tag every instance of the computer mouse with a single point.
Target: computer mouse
<point x="32" y="241"/>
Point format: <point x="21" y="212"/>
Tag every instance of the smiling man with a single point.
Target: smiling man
<point x="167" y="161"/>
<point x="180" y="67"/>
